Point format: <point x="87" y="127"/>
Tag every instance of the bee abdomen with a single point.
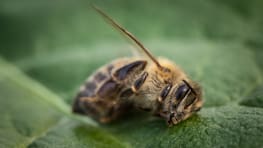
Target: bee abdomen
<point x="97" y="82"/>
<point x="101" y="97"/>
<point x="100" y="76"/>
<point x="108" y="89"/>
<point x="126" y="93"/>
<point x="89" y="89"/>
<point x="100" y="81"/>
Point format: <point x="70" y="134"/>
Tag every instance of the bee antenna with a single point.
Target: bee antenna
<point x="128" y="34"/>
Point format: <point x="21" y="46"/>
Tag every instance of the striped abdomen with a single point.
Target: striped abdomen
<point x="103" y="95"/>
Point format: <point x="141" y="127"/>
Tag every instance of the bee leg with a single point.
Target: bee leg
<point x="133" y="68"/>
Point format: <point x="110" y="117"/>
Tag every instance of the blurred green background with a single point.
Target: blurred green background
<point x="49" y="47"/>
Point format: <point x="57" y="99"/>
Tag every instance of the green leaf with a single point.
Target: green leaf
<point x="28" y="111"/>
<point x="228" y="126"/>
<point x="255" y="99"/>
<point x="76" y="134"/>
<point x="25" y="109"/>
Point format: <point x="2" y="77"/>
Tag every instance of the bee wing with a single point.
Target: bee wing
<point x="129" y="36"/>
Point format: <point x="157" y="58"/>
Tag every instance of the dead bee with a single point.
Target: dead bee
<point x="151" y="84"/>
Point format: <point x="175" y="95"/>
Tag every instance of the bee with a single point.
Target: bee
<point x="144" y="82"/>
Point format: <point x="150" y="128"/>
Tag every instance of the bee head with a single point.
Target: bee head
<point x="184" y="100"/>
